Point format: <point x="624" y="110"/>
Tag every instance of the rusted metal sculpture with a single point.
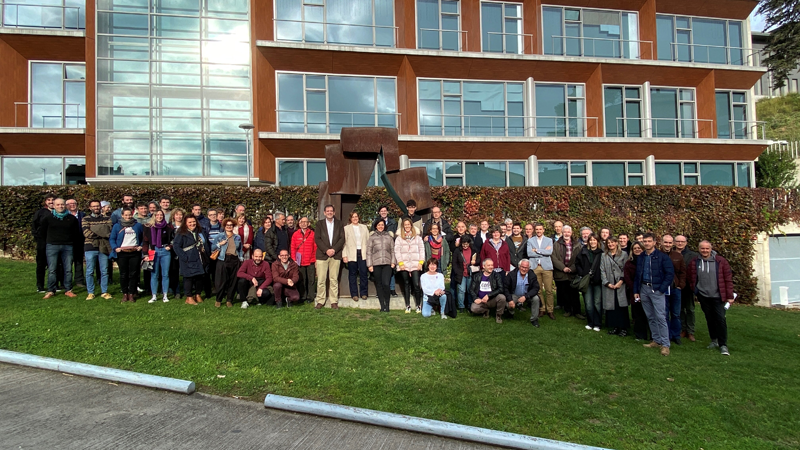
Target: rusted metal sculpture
<point x="350" y="165"/>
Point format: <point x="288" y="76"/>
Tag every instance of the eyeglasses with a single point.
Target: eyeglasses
<point x="229" y="226"/>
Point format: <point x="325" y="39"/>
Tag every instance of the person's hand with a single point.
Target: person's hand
<point x="730" y="301"/>
<point x="619" y="284"/>
<point x="259" y="292"/>
<point x="223" y="242"/>
<point x="369" y="268"/>
<point x="167" y="247"/>
<point x="393" y="266"/>
<point x="567" y="270"/>
<point x="246" y="246"/>
<point x="549" y="247"/>
<point x="290" y="282"/>
<point x="511" y="304"/>
<point x="521" y="300"/>
<point x="139" y="248"/>
<point x="485" y="298"/>
<point x="344" y="259"/>
<point x="330" y="252"/>
<point x="255" y="282"/>
<point x="636" y="298"/>
<point x="118" y="249"/>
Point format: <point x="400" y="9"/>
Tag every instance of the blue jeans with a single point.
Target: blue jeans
<point x="461" y="292"/>
<point x="427" y="309"/>
<point x="54" y="253"/>
<point x="101" y="260"/>
<point x="391" y="284"/>
<point x="674" y="309"/>
<point x="654" y="305"/>
<point x="593" y="301"/>
<point x="161" y="261"/>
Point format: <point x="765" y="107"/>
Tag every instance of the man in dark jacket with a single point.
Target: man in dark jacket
<point x="329" y="237"/>
<point x="41" y="243"/>
<point x="391" y="224"/>
<point x="444" y="227"/>
<point x="676" y="290"/>
<point x="202" y="221"/>
<point x="522" y="287"/>
<point x="654" y="276"/>
<point x="711" y="279"/>
<point x="285" y="279"/>
<point x="517" y="245"/>
<point x="281" y="233"/>
<point x="687" y="295"/>
<point x="416" y="219"/>
<point x="61" y="231"/>
<point x="488" y="291"/>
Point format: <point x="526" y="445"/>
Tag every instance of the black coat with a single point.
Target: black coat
<point x="457" y="272"/>
<point x="517" y="254"/>
<point x="511" y="284"/>
<point x="584" y="266"/>
<point x="495" y="279"/>
<point x="192" y="262"/>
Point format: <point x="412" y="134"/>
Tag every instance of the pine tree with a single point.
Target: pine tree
<point x="783" y="47"/>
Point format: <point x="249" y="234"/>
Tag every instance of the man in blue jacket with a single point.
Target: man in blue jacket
<point x="654" y="275"/>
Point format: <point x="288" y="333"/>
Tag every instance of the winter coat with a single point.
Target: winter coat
<point x="501" y="257"/>
<point x="457" y="273"/>
<point x="559" y="252"/>
<point x="409" y="252"/>
<point x="680" y="268"/>
<point x="629" y="276"/>
<point x="511" y="285"/>
<point x="188" y="250"/>
<point x="612" y="269"/>
<point x="662" y="272"/>
<point x="724" y="276"/>
<point x="380" y="249"/>
<point x="517" y="254"/>
<point x="305" y="245"/>
<point x="282" y="276"/>
<point x="215" y="245"/>
<point x="584" y="266"/>
<point x="444" y="260"/>
<point x="167" y="235"/>
<point x="495" y="280"/>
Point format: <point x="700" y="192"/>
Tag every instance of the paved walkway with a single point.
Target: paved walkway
<point x="47" y="410"/>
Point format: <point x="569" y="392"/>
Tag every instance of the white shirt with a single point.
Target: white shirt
<point x="329" y="225"/>
<point x="539" y="242"/>
<point x="357" y="233"/>
<point x="129" y="238"/>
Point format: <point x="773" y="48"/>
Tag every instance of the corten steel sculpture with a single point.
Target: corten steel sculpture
<point x="351" y="163"/>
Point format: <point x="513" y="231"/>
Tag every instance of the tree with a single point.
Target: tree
<point x="776" y="168"/>
<point x="783" y="47"/>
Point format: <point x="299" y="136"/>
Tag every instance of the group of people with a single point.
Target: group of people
<point x="503" y="269"/>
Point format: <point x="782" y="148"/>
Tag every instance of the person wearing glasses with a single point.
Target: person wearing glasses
<point x="229" y="244"/>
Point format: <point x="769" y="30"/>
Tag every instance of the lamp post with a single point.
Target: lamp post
<point x="247" y="127"/>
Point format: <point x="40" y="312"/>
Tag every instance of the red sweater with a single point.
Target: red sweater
<point x="501" y="258"/>
<point x="305" y="245"/>
<point x="249" y="270"/>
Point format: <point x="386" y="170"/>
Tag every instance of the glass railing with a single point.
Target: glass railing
<point x="507" y="126"/>
<point x="712" y="54"/>
<point x="444" y="39"/>
<point x="335" y="33"/>
<point x="332" y="122"/>
<point x="50" y="17"/>
<point x="512" y="43"/>
<point x="599" y="47"/>
<point x="742" y="129"/>
<point x="49" y="115"/>
<point x="680" y="128"/>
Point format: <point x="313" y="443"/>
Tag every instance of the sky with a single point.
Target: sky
<point x="756" y="22"/>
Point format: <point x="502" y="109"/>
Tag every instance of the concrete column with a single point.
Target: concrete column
<point x="404" y="164"/>
<point x="650" y="171"/>
<point x="532" y="177"/>
<point x="646" y="115"/>
<point x="530" y="121"/>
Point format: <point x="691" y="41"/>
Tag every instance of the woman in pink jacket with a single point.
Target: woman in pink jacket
<point x="409" y="251"/>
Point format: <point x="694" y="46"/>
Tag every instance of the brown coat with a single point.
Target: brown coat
<point x="282" y="276"/>
<point x="559" y="252"/>
<point x="680" y="268"/>
<point x="324" y="242"/>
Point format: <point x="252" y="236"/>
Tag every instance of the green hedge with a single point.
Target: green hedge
<point x="729" y="217"/>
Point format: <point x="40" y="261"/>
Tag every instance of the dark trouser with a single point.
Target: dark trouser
<point x="641" y="327"/>
<point x="243" y="286"/>
<point x="174" y="281"/>
<point x="383" y="278"/>
<point x="191" y="285"/>
<point x="498" y="301"/>
<point x="618" y="318"/>
<point x="308" y="283"/>
<point x="56" y="254"/>
<point x="568" y="298"/>
<point x="714" y="309"/>
<point x="283" y="290"/>
<point x="358" y="268"/>
<point x="77" y="261"/>
<point x="129" y="267"/>
<point x="226" y="277"/>
<point x="147" y="277"/>
<point x="41" y="263"/>
<point x="687" y="311"/>
<point x="674" y="313"/>
<point x="210" y="278"/>
<point x="411" y="284"/>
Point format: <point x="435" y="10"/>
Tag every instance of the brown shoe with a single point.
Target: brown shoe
<point x="124" y="298"/>
<point x="363" y="297"/>
<point x="664" y="351"/>
<point x="217" y="304"/>
<point x="49" y="295"/>
<point x="691" y="337"/>
<point x="498" y="319"/>
<point x="198" y="299"/>
<point x="318" y="306"/>
<point x="567" y="314"/>
<point x="131" y="298"/>
<point x="684" y="334"/>
<point x="541" y="313"/>
<point x="551" y="315"/>
<point x="486" y="315"/>
<point x="229" y="304"/>
<point x="652" y="344"/>
<point x="334" y="306"/>
<point x="70" y="294"/>
<point x="355" y="299"/>
<point x="190" y="301"/>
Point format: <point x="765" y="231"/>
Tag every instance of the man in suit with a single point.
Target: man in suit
<point x="329" y="237"/>
<point x="540" y="247"/>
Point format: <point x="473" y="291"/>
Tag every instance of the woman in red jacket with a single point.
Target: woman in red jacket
<point x="303" y="251"/>
<point x="497" y="250"/>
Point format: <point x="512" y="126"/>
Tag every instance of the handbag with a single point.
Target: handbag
<point x="581" y="283"/>
<point x="214" y="254"/>
<point x="147" y="264"/>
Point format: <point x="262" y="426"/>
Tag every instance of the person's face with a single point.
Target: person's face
<point x="407" y="226"/>
<point x="496" y="235"/>
<point x="680" y="242"/>
<point x="159" y="216"/>
<point x="435" y="230"/>
<point x="437" y="213"/>
<point x="49" y="203"/>
<point x="240" y="220"/>
<point x="212" y="215"/>
<point x="59" y="205"/>
<point x="623" y="240"/>
<point x="666" y="243"/>
<point x="152" y="207"/>
<point x="411" y="210"/>
<point x="290" y="221"/>
<point x="383" y="212"/>
<point x="465" y="245"/>
<point x="524" y="268"/>
<point x="432" y="267"/>
<point x="705" y="249"/>
<point x="639" y="237"/>
<point x="329" y="213"/>
<point x="585" y="234"/>
<point x="380" y="226"/>
<point x="284" y="256"/>
<point x="484" y="226"/>
<point x="239" y="210"/>
<point x="516" y="230"/>
<point x="72" y="205"/>
<point x="165" y="203"/>
<point x="649" y="243"/>
<point x="267" y="223"/>
<point x="229" y="227"/>
<point x="461" y="228"/>
<point x="177" y="216"/>
<point x="473" y="230"/>
<point x="593" y="243"/>
<point x="142" y="210"/>
<point x="105" y="209"/>
<point x="529" y="230"/>
<point x="280" y="221"/>
<point x="604" y="234"/>
<point x="126" y="215"/>
<point x="611" y="245"/>
<point x="503" y="229"/>
<point x="488" y="266"/>
<point x="637" y="250"/>
<point x="303" y="223"/>
<point x="197" y="211"/>
<point x="258" y="256"/>
<point x="94" y="207"/>
<point x="558" y="227"/>
<point x="191" y="223"/>
<point x="567" y="233"/>
<point x="127" y="200"/>
<point x="354" y="219"/>
<point x="539" y="231"/>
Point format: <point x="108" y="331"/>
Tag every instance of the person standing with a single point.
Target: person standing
<point x="416" y="220"/>
<point x="282" y="238"/>
<point x="157" y="245"/>
<point x="285" y="276"/>
<point x="497" y="250"/>
<point x="488" y="291"/>
<point x="211" y="228"/>
<point x="329" y="237"/>
<point x="78" y="278"/>
<point x="61" y="231"/>
<point x="641" y="329"/>
<point x="245" y="232"/>
<point x="126" y="244"/>
<point x="96" y="230"/>
<point x="127" y="202"/>
<point x="565" y="251"/>
<point x="675" y="293"/>
<point x="197" y="213"/>
<point x="540" y="248"/>
<point x="464" y="259"/>
<point x="191" y="247"/>
<point x="654" y="275"/>
<point x="687" y="295"/>
<point x="381" y="261"/>
<point x="624" y="243"/>
<point x="291" y="227"/>
<point x="615" y="300"/>
<point x="304" y="252"/>
<point x="41" y="242"/>
<point x="444" y="227"/>
<point x="355" y="245"/>
<point x="409" y="250"/>
<point x="437" y="247"/>
<point x="517" y="245"/>
<point x="558" y="226"/>
<point x="267" y="240"/>
<point x="165" y="203"/>
<point x="588" y="265"/>
<point x="174" y="266"/>
<point x="711" y="279"/>
<point x="229" y="244"/>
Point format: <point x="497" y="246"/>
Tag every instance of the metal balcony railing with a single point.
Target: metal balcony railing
<point x="457" y="36"/>
<point x="322" y="32"/>
<point x="51" y="115"/>
<point x="600" y="47"/>
<point x="509" y="126"/>
<point x="325" y="122"/>
<point x="25" y="15"/>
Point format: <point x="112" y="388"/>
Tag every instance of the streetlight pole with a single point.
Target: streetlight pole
<point x="247" y="127"/>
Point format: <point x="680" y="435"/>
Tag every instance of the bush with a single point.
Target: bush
<point x="729" y="217"/>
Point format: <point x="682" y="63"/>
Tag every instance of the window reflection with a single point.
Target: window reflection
<point x="43" y="171"/>
<point x="350" y="22"/>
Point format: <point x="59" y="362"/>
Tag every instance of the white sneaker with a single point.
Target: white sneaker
<point x="165" y="299"/>
<point x="408" y="309"/>
<point x="139" y="290"/>
<point x="152" y="300"/>
<point x="588" y="327"/>
<point x="596" y="328"/>
<point x="444" y="317"/>
<point x="245" y="305"/>
<point x="419" y="310"/>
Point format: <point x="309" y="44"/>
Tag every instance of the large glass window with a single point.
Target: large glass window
<point x="673" y="113"/>
<point x="327" y="103"/>
<point x="563" y="173"/>
<point x="301" y="172"/>
<point x="618" y="173"/>
<point x="438" y="24"/>
<point x="696" y="39"/>
<point x="58" y="95"/>
<point x="351" y="22"/>
<point x="560" y="110"/>
<point x="501" y="28"/>
<point x="601" y="173"/>
<point x="47" y="171"/>
<point x="173" y="86"/>
<point x="732" y="116"/>
<point x="590" y="32"/>
<point x="623" y="111"/>
<point x="471" y="108"/>
<point x="47" y="14"/>
<point x="474" y="173"/>
<point x="704" y="173"/>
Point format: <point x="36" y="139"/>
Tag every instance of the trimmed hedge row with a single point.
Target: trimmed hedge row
<point x="729" y="217"/>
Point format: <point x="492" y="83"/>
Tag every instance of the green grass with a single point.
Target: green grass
<point x="560" y="381"/>
<point x="782" y="115"/>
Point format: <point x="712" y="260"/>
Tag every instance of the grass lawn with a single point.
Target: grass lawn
<point x="560" y="381"/>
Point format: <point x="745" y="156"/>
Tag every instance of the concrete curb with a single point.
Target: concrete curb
<point x="419" y="425"/>
<point x="104" y="373"/>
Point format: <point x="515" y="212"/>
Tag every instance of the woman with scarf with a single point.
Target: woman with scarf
<point x="230" y="257"/>
<point x="126" y="246"/>
<point x="641" y="328"/>
<point x="615" y="299"/>
<point x="436" y="247"/>
<point x="191" y="247"/>
<point x="157" y="245"/>
<point x="176" y="220"/>
<point x="410" y="254"/>
<point x="245" y="232"/>
<point x="355" y="246"/>
<point x="588" y="265"/>
<point x="380" y="261"/>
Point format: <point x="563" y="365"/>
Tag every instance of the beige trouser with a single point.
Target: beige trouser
<point x="545" y="279"/>
<point x="330" y="267"/>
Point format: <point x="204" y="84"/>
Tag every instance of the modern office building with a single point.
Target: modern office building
<point x="496" y="93"/>
<point x="764" y="87"/>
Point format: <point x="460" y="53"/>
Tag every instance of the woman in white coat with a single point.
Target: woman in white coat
<point x="409" y="250"/>
<point x="354" y="255"/>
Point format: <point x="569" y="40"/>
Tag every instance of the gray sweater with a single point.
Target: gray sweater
<point x="707" y="284"/>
